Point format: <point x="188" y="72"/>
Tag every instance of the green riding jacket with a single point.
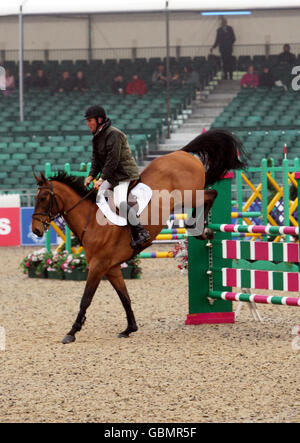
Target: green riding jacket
<point x="112" y="156"/>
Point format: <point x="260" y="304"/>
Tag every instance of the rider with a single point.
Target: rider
<point x="112" y="157"/>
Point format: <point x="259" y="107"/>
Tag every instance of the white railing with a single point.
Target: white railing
<point x="142" y="52"/>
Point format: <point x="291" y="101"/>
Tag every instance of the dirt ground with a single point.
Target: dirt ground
<point x="165" y="372"/>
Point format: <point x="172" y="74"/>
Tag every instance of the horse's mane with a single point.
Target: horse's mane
<point x="76" y="183"/>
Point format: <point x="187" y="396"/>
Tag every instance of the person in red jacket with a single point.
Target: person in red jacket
<point x="136" y="86"/>
<point x="250" y="79"/>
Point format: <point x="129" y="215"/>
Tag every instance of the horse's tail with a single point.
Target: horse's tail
<point x="219" y="151"/>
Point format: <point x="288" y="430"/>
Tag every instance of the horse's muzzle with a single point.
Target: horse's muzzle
<point x="38" y="232"/>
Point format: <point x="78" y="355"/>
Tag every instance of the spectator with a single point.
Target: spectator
<point x="286" y="57"/>
<point x="250" y="79"/>
<point x="266" y="79"/>
<point x="176" y="79"/>
<point x="65" y="83"/>
<point x="9" y="83"/>
<point x="27" y="81"/>
<point x="159" y="76"/>
<point x="225" y="39"/>
<point x="190" y="76"/>
<point x="136" y="86"/>
<point x="40" y="80"/>
<point x="118" y="85"/>
<point x="80" y="83"/>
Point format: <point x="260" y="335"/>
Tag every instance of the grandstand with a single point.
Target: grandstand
<point x="264" y="120"/>
<point x="54" y="129"/>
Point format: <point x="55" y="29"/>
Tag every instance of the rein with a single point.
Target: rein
<point x="52" y="217"/>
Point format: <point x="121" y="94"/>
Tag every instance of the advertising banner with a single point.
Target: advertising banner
<point x="28" y="238"/>
<point x="10" y="220"/>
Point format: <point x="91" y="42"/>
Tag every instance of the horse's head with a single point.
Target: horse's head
<point x="46" y="206"/>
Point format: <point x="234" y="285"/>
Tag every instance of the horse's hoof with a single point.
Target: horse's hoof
<point x="208" y="234"/>
<point x="123" y="335"/>
<point x="68" y="339"/>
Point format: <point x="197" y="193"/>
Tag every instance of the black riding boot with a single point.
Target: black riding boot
<point x="139" y="234"/>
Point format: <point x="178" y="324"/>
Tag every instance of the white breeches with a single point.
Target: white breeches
<point x="120" y="191"/>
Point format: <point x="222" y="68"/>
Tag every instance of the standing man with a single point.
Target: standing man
<point x="113" y="159"/>
<point x="225" y="39"/>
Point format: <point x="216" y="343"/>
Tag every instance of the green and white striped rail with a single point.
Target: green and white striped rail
<point x="256" y="229"/>
<point x="255" y="298"/>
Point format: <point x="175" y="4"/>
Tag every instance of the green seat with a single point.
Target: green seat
<point x="43" y="149"/>
<point x="18" y="174"/>
<point x="86" y="138"/>
<point x="77" y="149"/>
<point x="7" y="138"/>
<point x="23" y="168"/>
<point x="52" y="128"/>
<point x="56" y="138"/>
<point x="70" y="128"/>
<point x="4" y="157"/>
<point x="3" y="175"/>
<point x="12" y="163"/>
<point x="15" y="146"/>
<point x="72" y="138"/>
<point x="23" y="139"/>
<point x="37" y="156"/>
<point x="32" y="145"/>
<point x="62" y="149"/>
<point x="19" y="156"/>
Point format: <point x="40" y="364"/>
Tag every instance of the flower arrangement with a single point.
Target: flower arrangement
<point x="74" y="262"/>
<point x="134" y="264"/>
<point x="35" y="262"/>
<point x="42" y="263"/>
<point x="180" y="252"/>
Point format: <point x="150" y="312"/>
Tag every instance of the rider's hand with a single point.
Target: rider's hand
<point x="88" y="180"/>
<point x="98" y="183"/>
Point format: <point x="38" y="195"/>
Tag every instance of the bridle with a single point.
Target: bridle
<point x="60" y="213"/>
<point x="49" y="214"/>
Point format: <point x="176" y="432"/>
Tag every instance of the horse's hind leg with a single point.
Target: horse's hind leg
<point x="115" y="277"/>
<point x="91" y="286"/>
<point x="209" y="198"/>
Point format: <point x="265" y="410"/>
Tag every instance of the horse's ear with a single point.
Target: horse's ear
<point x="43" y="177"/>
<point x="37" y="179"/>
<point x="40" y="180"/>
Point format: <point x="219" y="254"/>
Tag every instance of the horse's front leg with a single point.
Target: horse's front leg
<point x="116" y="279"/>
<point x="94" y="277"/>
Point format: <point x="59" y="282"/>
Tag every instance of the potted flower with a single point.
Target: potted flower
<point x="180" y="252"/>
<point x="131" y="268"/>
<point x="54" y="264"/>
<point x="34" y="264"/>
<point x="75" y="267"/>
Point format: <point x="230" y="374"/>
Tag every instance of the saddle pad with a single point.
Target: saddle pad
<point x="141" y="193"/>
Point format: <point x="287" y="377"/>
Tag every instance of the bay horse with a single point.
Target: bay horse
<point x="107" y="246"/>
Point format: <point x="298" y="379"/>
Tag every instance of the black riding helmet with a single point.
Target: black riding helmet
<point x="95" y="112"/>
